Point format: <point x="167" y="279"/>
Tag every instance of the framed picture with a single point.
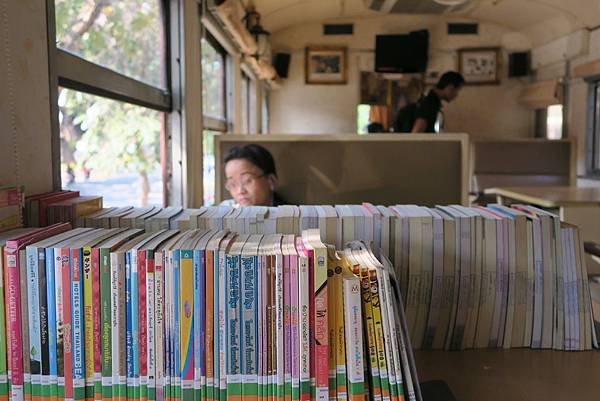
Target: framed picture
<point x="479" y="65"/>
<point x="326" y="65"/>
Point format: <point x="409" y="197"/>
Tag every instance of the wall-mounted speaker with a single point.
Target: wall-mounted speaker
<point x="519" y="64"/>
<point x="282" y="64"/>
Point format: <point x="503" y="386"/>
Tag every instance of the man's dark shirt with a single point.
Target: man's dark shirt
<point x="428" y="109"/>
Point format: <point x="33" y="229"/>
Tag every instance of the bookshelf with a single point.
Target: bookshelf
<point x="513" y="375"/>
<point x="349" y="168"/>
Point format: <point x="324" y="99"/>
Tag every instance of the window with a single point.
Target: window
<point x="594" y="130"/>
<point x="111" y="148"/>
<point x="214" y="108"/>
<point x="213" y="83"/>
<point x="362" y="118"/>
<point x="245" y="104"/>
<point x="549" y="122"/>
<point x="125" y="36"/>
<point x="111" y="95"/>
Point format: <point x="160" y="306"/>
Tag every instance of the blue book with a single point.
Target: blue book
<point x="50" y="296"/>
<point x="128" y="326"/>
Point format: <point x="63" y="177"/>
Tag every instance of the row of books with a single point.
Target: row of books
<point x="471" y="277"/>
<point x="198" y="314"/>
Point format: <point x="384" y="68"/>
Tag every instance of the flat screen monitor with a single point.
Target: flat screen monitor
<point x="402" y="53"/>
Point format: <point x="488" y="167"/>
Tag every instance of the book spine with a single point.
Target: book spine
<point x="201" y="314"/>
<point x="59" y="385"/>
<point x="106" y="323"/>
<point x="279" y="330"/>
<point x="135" y="322"/>
<point x="379" y="336"/>
<point x="67" y="325"/>
<point x="168" y="277"/>
<point x="197" y="336"/>
<point x="371" y="347"/>
<point x="222" y="319"/>
<point x="287" y="310"/>
<point x="77" y="324"/>
<point x="217" y="302"/>
<point x="209" y="315"/>
<point x="15" y="346"/>
<point x="332" y="313"/>
<point x="150" y="326"/>
<point x="294" y="349"/>
<point x="321" y="324"/>
<point x="353" y="321"/>
<point x="385" y="320"/>
<point x="340" y="336"/>
<point x="177" y="324"/>
<point x="44" y="290"/>
<point x="186" y="313"/>
<point x="122" y="321"/>
<point x="261" y="325"/>
<point x="35" y="341"/>
<point x="394" y="334"/>
<point x="129" y="327"/>
<point x="249" y="328"/>
<point x="405" y="388"/>
<point x="25" y="325"/>
<point x="115" y="324"/>
<point x="142" y="325"/>
<point x="97" y="323"/>
<point x="88" y="318"/>
<point x="4" y="389"/>
<point x="233" y="329"/>
<point x="304" y="328"/>
<point x="159" y="318"/>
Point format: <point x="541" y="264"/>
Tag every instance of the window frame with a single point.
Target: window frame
<point x="593" y="129"/>
<point x="73" y="72"/>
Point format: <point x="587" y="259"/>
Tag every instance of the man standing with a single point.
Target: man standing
<point x="430" y="107"/>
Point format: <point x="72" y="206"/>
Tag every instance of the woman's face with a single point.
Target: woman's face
<point x="248" y="185"/>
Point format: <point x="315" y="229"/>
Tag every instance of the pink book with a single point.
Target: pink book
<point x="96" y="318"/>
<point x="13" y="297"/>
<point x="287" y="327"/>
<point x="67" y="320"/>
<point x="143" y="332"/>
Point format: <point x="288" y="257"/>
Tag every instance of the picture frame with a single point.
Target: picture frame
<point x="326" y="65"/>
<point x="479" y="66"/>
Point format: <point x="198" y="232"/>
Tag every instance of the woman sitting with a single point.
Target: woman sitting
<point x="251" y="177"/>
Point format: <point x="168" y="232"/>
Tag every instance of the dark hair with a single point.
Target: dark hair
<point x="255" y="154"/>
<point x="450" y="78"/>
<point x="375" y="127"/>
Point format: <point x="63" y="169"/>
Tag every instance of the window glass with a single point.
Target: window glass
<point x="213" y="80"/>
<point x="244" y="104"/>
<point x="111" y="148"/>
<point x="126" y="36"/>
<point x="554" y="121"/>
<point x="252" y="110"/>
<point x="362" y="118"/>
<point x="209" y="177"/>
<point x="265" y="112"/>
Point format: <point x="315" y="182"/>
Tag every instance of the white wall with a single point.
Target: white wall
<point x="24" y="66"/>
<point x="484" y="111"/>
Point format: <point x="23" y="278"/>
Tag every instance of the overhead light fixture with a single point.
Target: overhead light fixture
<point x="450" y="3"/>
<point x="261" y="36"/>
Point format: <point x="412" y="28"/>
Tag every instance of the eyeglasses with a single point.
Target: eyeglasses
<point x="247" y="181"/>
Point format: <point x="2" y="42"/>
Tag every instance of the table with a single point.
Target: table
<point x="579" y="206"/>
<point x="513" y="375"/>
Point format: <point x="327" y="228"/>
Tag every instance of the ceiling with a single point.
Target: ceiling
<point x="542" y="20"/>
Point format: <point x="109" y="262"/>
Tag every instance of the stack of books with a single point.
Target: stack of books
<point x="119" y="313"/>
<point x="11" y="204"/>
<point x="471" y="277"/>
<point x="59" y="207"/>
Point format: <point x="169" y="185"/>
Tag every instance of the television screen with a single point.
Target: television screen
<point x="402" y="53"/>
